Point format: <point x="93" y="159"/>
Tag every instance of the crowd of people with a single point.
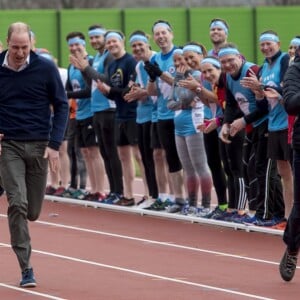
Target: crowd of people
<point x="190" y="118"/>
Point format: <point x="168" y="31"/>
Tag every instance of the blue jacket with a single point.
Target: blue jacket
<point x="26" y="98"/>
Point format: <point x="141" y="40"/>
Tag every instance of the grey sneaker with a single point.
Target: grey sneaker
<point x="288" y="266"/>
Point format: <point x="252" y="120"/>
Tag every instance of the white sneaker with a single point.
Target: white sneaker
<point x="145" y="203"/>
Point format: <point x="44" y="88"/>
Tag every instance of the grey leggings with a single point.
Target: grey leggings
<point x="191" y="152"/>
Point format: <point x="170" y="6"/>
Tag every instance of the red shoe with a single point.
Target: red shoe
<point x="50" y="190"/>
<point x="280" y="226"/>
<point x="59" y="192"/>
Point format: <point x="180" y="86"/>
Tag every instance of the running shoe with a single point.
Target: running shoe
<point x="250" y="220"/>
<point x="159" y="205"/>
<point x="145" y="203"/>
<point x="78" y="194"/>
<point x="112" y="198"/>
<point x="202" y="212"/>
<point x="287" y="266"/>
<point x="28" y="280"/>
<point x="281" y="224"/>
<point x="174" y="208"/>
<point x="96" y="197"/>
<point x="239" y="218"/>
<point x="188" y="210"/>
<point x="215" y="214"/>
<point x="227" y="216"/>
<point x="125" y="201"/>
<point x="50" y="190"/>
<point x="59" y="192"/>
<point x="266" y="222"/>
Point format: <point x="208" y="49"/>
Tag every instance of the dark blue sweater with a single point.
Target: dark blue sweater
<point x="25" y="99"/>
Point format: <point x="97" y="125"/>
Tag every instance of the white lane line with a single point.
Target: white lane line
<point x="150" y="275"/>
<point x="31" y="292"/>
<point x="166" y="244"/>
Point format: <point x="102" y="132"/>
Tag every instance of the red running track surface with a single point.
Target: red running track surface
<point x="93" y="254"/>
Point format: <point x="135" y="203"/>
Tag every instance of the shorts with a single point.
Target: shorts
<point x="85" y="133"/>
<point x="155" y="142"/>
<point x="127" y="133"/>
<point x="278" y="147"/>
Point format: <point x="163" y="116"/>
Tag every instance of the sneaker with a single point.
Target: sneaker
<point x="243" y="219"/>
<point x="112" y="198"/>
<point x="265" y="222"/>
<point x="59" y="192"/>
<point x="28" y="279"/>
<point x="248" y="220"/>
<point x="159" y="205"/>
<point x="188" y="210"/>
<point x="145" y="203"/>
<point x="280" y="225"/>
<point x="125" y="201"/>
<point x="238" y="218"/>
<point x="96" y="197"/>
<point x="215" y="214"/>
<point x="202" y="212"/>
<point x="227" y="216"/>
<point x="50" y="190"/>
<point x="174" y="208"/>
<point x="78" y="194"/>
<point x="68" y="193"/>
<point x="82" y="195"/>
<point x="288" y="266"/>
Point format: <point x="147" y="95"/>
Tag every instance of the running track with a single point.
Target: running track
<point x="82" y="252"/>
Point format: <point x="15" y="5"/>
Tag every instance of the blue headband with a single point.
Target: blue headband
<point x="193" y="48"/>
<point x="228" y="51"/>
<point x="114" y="34"/>
<point x="76" y="40"/>
<point x="295" y="42"/>
<point x="213" y="61"/>
<point x="177" y="51"/>
<point x="97" y="31"/>
<point x="219" y="24"/>
<point x="165" y="25"/>
<point x="269" y="37"/>
<point x="138" y="37"/>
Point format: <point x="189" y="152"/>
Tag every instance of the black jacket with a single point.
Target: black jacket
<point x="291" y="95"/>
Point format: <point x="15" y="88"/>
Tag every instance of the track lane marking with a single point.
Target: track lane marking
<point x="47" y="296"/>
<point x="166" y="244"/>
<point x="150" y="275"/>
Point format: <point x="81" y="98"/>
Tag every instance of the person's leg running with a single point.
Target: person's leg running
<point x="291" y="235"/>
<point x="25" y="191"/>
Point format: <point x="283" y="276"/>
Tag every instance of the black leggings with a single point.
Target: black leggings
<point x="166" y="133"/>
<point x="105" y="128"/>
<point x="211" y="142"/>
<point x="144" y="138"/>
